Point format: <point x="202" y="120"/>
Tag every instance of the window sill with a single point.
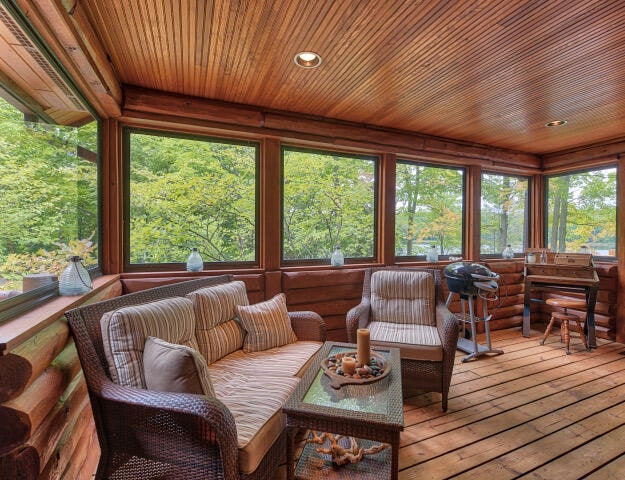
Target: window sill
<point x="17" y="330"/>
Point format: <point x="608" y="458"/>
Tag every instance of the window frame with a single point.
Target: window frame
<point x="127" y="131"/>
<point x="526" y="215"/>
<point x="546" y="177"/>
<point x="441" y="257"/>
<point x="376" y="202"/>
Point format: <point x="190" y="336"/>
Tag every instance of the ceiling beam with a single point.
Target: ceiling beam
<point x="152" y="104"/>
<point x="587" y="157"/>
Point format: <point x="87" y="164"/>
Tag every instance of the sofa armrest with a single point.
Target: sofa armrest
<point x="308" y="325"/>
<point x="357" y="317"/>
<point x="164" y="423"/>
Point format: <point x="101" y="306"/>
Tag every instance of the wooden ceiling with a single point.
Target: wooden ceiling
<point x="489" y="72"/>
<point x="28" y="79"/>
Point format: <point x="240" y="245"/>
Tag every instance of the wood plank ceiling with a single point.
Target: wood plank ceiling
<point x="492" y="72"/>
<point x="25" y="72"/>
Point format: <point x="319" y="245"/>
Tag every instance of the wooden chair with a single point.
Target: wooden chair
<point x="565" y="318"/>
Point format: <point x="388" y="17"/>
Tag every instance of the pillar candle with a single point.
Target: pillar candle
<point x="349" y="365"/>
<point x="363" y="345"/>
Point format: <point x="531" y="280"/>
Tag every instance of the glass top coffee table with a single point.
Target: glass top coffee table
<point x="371" y="411"/>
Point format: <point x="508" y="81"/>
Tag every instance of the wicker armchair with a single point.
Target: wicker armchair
<point x="146" y="434"/>
<point x="425" y="366"/>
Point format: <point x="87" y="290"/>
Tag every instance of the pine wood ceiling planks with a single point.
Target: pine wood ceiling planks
<point x="489" y="72"/>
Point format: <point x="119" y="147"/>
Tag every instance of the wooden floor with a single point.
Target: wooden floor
<point x="533" y="412"/>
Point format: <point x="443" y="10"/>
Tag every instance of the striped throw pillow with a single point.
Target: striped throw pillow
<point x="217" y="333"/>
<point x="402" y="296"/>
<point x="267" y="324"/>
<point x="125" y="331"/>
<point x="215" y="305"/>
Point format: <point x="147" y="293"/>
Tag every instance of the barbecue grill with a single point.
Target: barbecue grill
<point x="470" y="280"/>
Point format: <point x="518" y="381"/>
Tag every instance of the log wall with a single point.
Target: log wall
<point x="46" y="427"/>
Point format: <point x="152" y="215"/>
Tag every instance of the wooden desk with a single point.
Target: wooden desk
<point x="562" y="278"/>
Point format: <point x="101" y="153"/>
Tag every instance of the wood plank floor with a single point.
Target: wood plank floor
<point x="532" y="413"/>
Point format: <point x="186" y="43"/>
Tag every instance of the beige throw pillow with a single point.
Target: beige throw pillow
<point x="170" y="367"/>
<point x="267" y="324"/>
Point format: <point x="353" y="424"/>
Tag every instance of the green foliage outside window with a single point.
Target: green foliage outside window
<point x="48" y="193"/>
<point x="328" y="200"/>
<point x="187" y="193"/>
<point x="504" y="204"/>
<point x="429" y="209"/>
<point x="581" y="210"/>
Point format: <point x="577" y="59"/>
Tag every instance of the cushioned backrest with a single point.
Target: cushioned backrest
<point x="402" y="296"/>
<point x="217" y="333"/>
<point x="124" y="332"/>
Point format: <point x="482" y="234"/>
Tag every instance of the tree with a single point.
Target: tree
<point x="48" y="194"/>
<point x="191" y="193"/>
<point x="429" y="207"/>
<point x="328" y="200"/>
<point x="503" y="212"/>
<point x="582" y="210"/>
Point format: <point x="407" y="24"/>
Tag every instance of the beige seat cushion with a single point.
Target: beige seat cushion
<point x="125" y="331"/>
<point x="403" y="296"/>
<point x="415" y="342"/>
<point x="267" y="324"/>
<point x="169" y="367"/>
<point x="288" y="360"/>
<point x="217" y="333"/>
<point x="256" y="405"/>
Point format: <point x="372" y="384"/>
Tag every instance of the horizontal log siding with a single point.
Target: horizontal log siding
<point x="330" y="293"/>
<point x="45" y="415"/>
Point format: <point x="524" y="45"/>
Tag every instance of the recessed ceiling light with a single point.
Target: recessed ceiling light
<point x="556" y="123"/>
<point x="307" y="60"/>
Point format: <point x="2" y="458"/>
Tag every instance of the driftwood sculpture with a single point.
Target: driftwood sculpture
<point x="341" y="455"/>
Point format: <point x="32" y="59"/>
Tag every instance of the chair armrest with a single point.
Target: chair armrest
<point x="308" y="325"/>
<point x="447" y="325"/>
<point x="357" y="317"/>
<point x="163" y="422"/>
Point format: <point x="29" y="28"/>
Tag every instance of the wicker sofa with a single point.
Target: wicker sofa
<point x="235" y="432"/>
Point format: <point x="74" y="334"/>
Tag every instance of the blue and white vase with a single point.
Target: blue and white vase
<point x="75" y="279"/>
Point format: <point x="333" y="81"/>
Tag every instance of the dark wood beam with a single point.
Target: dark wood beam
<point x="620" y="250"/>
<point x="141" y="103"/>
<point x="587" y="157"/>
<point x="386" y="209"/>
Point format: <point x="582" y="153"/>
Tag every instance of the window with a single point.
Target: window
<point x="504" y="213"/>
<point x="190" y="192"/>
<point x="48" y="193"/>
<point x="428" y="210"/>
<point x="328" y="200"/>
<point x="581" y="210"/>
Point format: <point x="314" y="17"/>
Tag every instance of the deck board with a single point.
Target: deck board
<point x="532" y="413"/>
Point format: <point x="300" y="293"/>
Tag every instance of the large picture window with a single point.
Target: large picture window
<point x="49" y="198"/>
<point x="504" y="212"/>
<point x="328" y="200"/>
<point x="429" y="209"/>
<point x="189" y="193"/>
<point x="581" y="211"/>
